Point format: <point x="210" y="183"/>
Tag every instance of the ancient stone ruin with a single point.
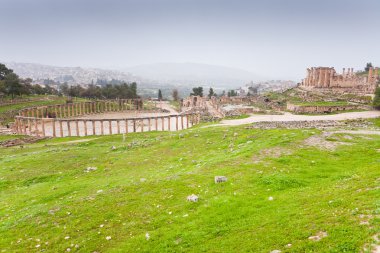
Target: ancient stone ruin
<point x="349" y="81"/>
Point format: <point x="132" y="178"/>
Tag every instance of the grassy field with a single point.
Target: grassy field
<point x="135" y="200"/>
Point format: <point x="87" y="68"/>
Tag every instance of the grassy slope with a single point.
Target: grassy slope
<point x="313" y="190"/>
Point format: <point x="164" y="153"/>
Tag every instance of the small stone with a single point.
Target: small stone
<point x="196" y="135"/>
<point x="101" y="225"/>
<point x="192" y="198"/>
<point x="276" y="251"/>
<point x="38" y="245"/>
<point x="99" y="191"/>
<point x="88" y="169"/>
<point x="68" y="249"/>
<point x="318" y="236"/>
<point x="113" y="148"/>
<point x="108" y="238"/>
<point x="270" y="198"/>
<point x="67" y="237"/>
<point x="147" y="236"/>
<point x="181" y="135"/>
<point x="142" y="180"/>
<point x="288" y="245"/>
<point x="235" y="134"/>
<point x="170" y="213"/>
<point x="76" y="246"/>
<point x="220" y="179"/>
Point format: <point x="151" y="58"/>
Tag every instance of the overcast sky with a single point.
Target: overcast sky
<point x="273" y="38"/>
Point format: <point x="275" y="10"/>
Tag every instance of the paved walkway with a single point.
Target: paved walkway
<point x="294" y="117"/>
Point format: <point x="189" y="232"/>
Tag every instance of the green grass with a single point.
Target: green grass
<point x="175" y="104"/>
<point x="323" y="103"/>
<point x="241" y="116"/>
<point x="45" y="195"/>
<point x="376" y="121"/>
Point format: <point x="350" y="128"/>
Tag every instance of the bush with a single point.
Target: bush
<point x="376" y="101"/>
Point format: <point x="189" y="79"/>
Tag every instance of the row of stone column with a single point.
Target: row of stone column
<point x="82" y="108"/>
<point x="319" y="77"/>
<point x="56" y="127"/>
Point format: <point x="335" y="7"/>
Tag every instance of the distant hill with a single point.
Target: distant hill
<point x="71" y="75"/>
<point x="183" y="74"/>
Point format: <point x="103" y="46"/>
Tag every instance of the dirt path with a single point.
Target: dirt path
<point x="166" y="106"/>
<point x="293" y="117"/>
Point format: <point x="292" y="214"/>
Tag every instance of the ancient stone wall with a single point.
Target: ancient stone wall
<point x="64" y="120"/>
<point x="320" y="109"/>
<point x="328" y="78"/>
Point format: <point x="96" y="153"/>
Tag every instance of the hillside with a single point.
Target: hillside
<point x="283" y="192"/>
<point x="193" y="74"/>
<point x="71" y="75"/>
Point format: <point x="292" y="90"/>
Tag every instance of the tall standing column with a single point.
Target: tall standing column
<point x="326" y="78"/>
<point x="370" y="75"/>
<point x="320" y="78"/>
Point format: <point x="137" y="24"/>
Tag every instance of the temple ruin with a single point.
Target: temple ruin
<point x="349" y="81"/>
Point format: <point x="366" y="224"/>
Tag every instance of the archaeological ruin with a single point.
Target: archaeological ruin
<point x="101" y="117"/>
<point x="348" y="81"/>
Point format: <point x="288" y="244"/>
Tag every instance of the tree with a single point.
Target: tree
<point x="369" y="65"/>
<point x="64" y="89"/>
<point x="159" y="95"/>
<point x="211" y="93"/>
<point x="376" y="100"/>
<point x="197" y="91"/>
<point x="175" y="95"/>
<point x="4" y="71"/>
<point x="232" y="93"/>
<point x="12" y="85"/>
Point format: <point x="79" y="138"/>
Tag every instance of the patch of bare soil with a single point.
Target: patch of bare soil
<point x="274" y="152"/>
<point x="321" y="142"/>
<point x="21" y="141"/>
<point x="373" y="247"/>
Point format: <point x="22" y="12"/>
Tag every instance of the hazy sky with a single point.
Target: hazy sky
<point x="273" y="38"/>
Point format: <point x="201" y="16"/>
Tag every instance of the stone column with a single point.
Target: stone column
<point x="85" y="127"/>
<point x="331" y="77"/>
<point x="326" y="78"/>
<point x="370" y="75"/>
<point x="320" y="75"/>
<point x="77" y="127"/>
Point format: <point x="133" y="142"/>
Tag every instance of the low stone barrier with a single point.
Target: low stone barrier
<point x="43" y="120"/>
<point x="83" y="127"/>
<point x="321" y="108"/>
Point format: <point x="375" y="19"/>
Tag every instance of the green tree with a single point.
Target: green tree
<point x="369" y="65"/>
<point x="12" y="85"/>
<point x="232" y="93"/>
<point x="159" y="95"/>
<point x="175" y="95"/>
<point x="376" y="100"/>
<point x="64" y="89"/>
<point x="211" y="93"/>
<point x="197" y="91"/>
<point x="4" y="71"/>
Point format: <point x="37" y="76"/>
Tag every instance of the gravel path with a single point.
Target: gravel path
<point x="293" y="117"/>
